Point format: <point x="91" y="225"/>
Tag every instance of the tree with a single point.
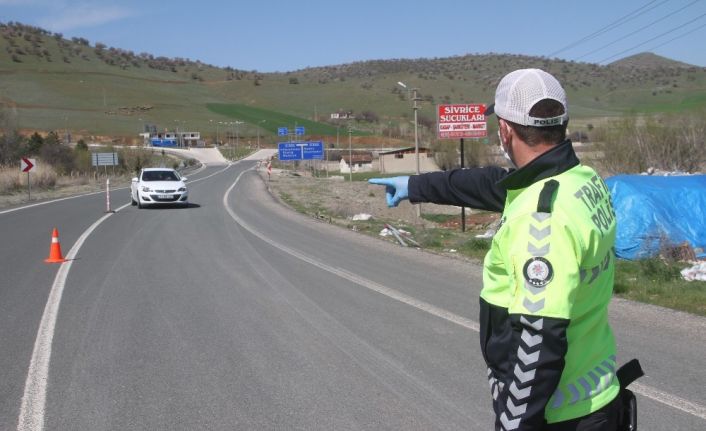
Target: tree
<point x="57" y="155"/>
<point x="11" y="142"/>
<point x="368" y="116"/>
<point x="34" y="144"/>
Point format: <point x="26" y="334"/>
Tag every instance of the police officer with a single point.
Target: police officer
<point x="548" y="276"/>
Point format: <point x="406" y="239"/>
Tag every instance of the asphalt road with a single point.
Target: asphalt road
<point x="236" y="313"/>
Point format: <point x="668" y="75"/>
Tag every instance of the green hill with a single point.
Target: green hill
<point x="648" y="60"/>
<point x="50" y="83"/>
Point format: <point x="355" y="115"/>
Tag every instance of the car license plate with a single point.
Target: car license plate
<point x="164" y="196"/>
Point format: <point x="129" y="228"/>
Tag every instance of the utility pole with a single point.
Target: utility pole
<point x="258" y="132"/>
<point x="350" y="153"/>
<point x="237" y="135"/>
<point x="416" y="133"/>
<point x="415" y="108"/>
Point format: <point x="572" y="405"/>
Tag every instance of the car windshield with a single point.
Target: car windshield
<point x="159" y="176"/>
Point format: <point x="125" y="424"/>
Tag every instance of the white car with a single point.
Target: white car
<point x="159" y="186"/>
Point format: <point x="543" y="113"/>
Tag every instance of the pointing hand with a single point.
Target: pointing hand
<point x="395" y="188"/>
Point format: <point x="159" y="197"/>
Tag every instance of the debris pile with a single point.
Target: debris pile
<point x="402" y="236"/>
<point x="361" y="217"/>
<point x="680" y="253"/>
<point x="663" y="173"/>
<point x="695" y="272"/>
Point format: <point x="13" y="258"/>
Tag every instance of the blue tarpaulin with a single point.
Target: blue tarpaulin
<point x="654" y="212"/>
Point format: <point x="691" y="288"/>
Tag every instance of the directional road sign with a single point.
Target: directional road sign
<point x="282" y="131"/>
<point x="299" y="130"/>
<point x="289" y="151"/>
<point x="104" y="159"/>
<point x="313" y="150"/>
<point x="26" y="165"/>
<point x="301" y="150"/>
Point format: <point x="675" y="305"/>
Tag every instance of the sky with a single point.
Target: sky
<point x="280" y="36"/>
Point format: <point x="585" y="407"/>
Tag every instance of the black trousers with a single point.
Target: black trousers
<point x="605" y="419"/>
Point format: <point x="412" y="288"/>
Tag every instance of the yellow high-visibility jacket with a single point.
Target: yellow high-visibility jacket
<point x="547" y="282"/>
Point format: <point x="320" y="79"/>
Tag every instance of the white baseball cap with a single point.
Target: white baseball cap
<point x="520" y="90"/>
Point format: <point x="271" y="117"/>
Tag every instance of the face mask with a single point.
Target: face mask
<point x="505" y="154"/>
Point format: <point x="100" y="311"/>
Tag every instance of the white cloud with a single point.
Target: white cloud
<point x="84" y="15"/>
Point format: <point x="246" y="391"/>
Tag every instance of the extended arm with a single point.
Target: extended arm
<point x="472" y="187"/>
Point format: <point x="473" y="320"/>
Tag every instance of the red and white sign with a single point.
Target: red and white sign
<point x="461" y="121"/>
<point x="26" y="165"/>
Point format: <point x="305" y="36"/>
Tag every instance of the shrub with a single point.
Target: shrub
<point x="664" y="142"/>
<point x="43" y="177"/>
<point x="10" y="180"/>
<point x="658" y="270"/>
<point x="57" y="155"/>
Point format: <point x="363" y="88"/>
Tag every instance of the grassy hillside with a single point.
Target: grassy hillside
<point x="52" y="83"/>
<point x="270" y="121"/>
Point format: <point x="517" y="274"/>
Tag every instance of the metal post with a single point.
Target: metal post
<point x="350" y="154"/>
<point x="416" y="136"/>
<point x="415" y="107"/>
<point x="258" y="132"/>
<point x="463" y="209"/>
<point x="29" y="188"/>
<point x="107" y="195"/>
<point x="237" y="135"/>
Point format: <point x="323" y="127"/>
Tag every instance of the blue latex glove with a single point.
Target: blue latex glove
<point x="395" y="189"/>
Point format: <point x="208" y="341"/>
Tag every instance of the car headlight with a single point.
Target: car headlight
<point x="182" y="189"/>
<point x="146" y="189"/>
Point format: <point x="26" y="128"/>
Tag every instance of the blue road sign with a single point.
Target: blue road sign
<point x="299" y="130"/>
<point x="282" y="131"/>
<point x="301" y="150"/>
<point x="313" y="150"/>
<point x="289" y="151"/>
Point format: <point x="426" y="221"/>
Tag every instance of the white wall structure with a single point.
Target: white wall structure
<point x="403" y="160"/>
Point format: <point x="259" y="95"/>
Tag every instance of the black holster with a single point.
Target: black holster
<point x="627" y="374"/>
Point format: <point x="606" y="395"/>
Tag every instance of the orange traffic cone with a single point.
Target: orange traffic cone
<point x="55" y="255"/>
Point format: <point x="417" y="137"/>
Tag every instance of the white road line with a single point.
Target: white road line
<point x="639" y="388"/>
<point x="34" y="398"/>
<point x="670" y="400"/>
<point x="52" y="201"/>
<point x="35" y="393"/>
<point x="389" y="292"/>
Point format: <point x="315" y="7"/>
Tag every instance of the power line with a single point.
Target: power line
<point x="651" y="39"/>
<point x="678" y="37"/>
<point x="637" y="31"/>
<point x="618" y="22"/>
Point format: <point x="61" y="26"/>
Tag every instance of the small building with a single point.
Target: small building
<point x="175" y="139"/>
<point x="358" y="162"/>
<point x="403" y="160"/>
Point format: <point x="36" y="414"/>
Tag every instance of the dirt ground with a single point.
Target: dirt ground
<point x="337" y="198"/>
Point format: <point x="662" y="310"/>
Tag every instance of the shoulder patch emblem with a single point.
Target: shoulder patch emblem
<point x="538" y="271"/>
